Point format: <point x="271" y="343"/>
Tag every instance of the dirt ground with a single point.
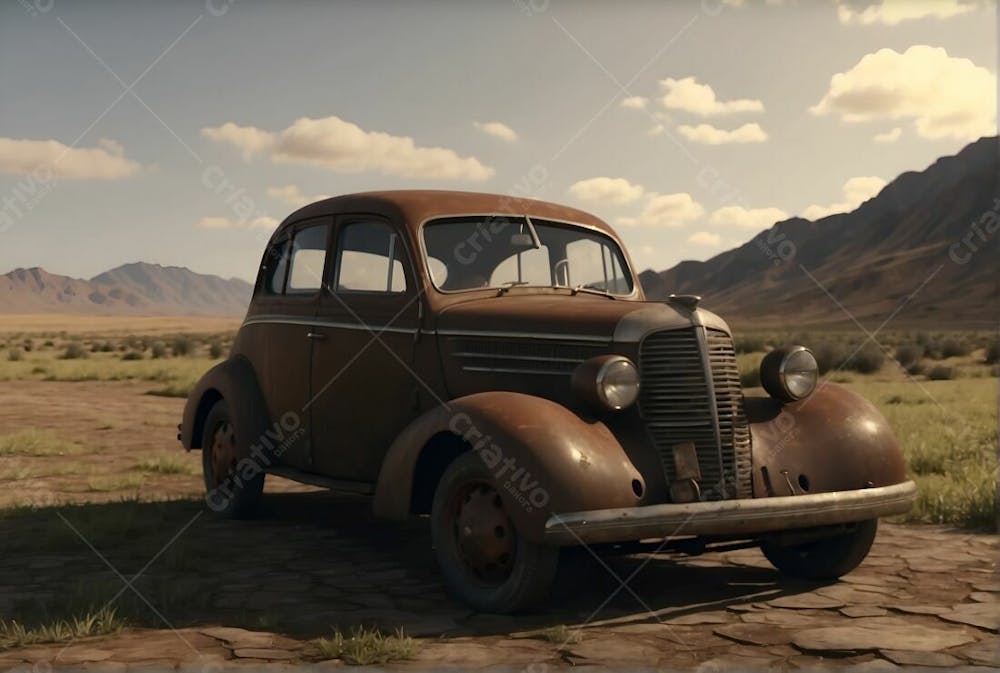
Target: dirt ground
<point x="198" y="591"/>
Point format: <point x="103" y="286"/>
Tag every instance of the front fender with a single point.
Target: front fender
<point x="235" y="381"/>
<point x="834" y="440"/>
<point x="544" y="458"/>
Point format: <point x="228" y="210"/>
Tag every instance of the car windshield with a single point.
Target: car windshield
<point x="469" y="253"/>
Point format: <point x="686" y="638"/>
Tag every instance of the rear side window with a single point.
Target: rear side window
<point x="274" y="268"/>
<point x="307" y="257"/>
<point x="370" y="259"/>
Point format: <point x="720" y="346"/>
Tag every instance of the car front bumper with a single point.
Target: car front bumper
<point x="750" y="516"/>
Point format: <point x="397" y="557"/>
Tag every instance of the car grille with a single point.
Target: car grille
<point x="678" y="405"/>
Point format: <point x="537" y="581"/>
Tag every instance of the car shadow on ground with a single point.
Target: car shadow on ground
<point x="311" y="562"/>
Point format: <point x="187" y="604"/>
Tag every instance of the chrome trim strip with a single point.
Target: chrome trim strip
<point x="589" y="338"/>
<point x="292" y="320"/>
<point x="713" y="403"/>
<point x="503" y="356"/>
<point x="749" y="516"/>
<point x="511" y="370"/>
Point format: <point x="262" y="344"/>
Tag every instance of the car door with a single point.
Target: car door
<point x="362" y="367"/>
<point x="287" y="326"/>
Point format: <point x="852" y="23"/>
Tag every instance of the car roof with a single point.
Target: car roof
<point x="412" y="207"/>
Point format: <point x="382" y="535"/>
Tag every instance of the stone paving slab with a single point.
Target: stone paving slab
<point x="306" y="568"/>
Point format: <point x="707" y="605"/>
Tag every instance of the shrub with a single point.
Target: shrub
<point x="908" y="355"/>
<point x="993" y="353"/>
<point x="829" y="356"/>
<point x="132" y="355"/>
<point x="868" y="360"/>
<point x="952" y="348"/>
<point x="915" y="368"/>
<point x="28" y="345"/>
<point x="49" y="344"/>
<point x="751" y="344"/>
<point x="74" y="351"/>
<point x="941" y="373"/>
<point x="215" y="349"/>
<point x="183" y="346"/>
<point x="15" y="355"/>
<point x="159" y="350"/>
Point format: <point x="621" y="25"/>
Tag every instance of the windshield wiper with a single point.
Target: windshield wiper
<point x="505" y="287"/>
<point x="591" y="290"/>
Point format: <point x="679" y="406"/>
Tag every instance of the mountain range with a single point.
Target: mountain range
<point x="923" y="252"/>
<point x="131" y="289"/>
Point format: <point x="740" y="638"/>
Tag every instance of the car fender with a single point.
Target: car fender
<point x="544" y="457"/>
<point x="833" y="440"/>
<point x="235" y="381"/>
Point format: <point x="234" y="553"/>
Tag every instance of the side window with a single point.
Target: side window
<point x="273" y="268"/>
<point x="370" y="259"/>
<point x="307" y="257"/>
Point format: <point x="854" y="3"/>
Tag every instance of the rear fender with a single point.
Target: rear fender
<point x="235" y="381"/>
<point x="543" y="457"/>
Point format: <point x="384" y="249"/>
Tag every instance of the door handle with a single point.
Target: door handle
<point x="315" y="335"/>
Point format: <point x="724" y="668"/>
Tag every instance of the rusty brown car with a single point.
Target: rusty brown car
<point x="491" y="362"/>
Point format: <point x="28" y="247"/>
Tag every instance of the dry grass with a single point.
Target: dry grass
<point x="115" y="325"/>
<point x="167" y="464"/>
<point x="367" y="647"/>
<point x="115" y="482"/>
<point x="35" y="443"/>
<point x="562" y="635"/>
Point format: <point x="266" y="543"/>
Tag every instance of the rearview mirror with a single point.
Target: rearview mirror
<point x="522" y="241"/>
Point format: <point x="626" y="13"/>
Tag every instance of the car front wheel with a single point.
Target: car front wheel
<point x="231" y="489"/>
<point x="485" y="562"/>
<point x="828" y="558"/>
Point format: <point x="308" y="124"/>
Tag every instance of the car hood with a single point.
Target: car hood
<point x="584" y="317"/>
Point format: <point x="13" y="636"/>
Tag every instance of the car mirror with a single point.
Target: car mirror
<point x="522" y="241"/>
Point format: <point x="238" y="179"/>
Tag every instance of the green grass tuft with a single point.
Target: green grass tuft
<point x="100" y="622"/>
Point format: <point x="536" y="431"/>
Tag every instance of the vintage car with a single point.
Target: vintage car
<point x="491" y="362"/>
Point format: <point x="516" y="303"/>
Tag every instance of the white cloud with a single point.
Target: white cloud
<point x="710" y="135"/>
<point x="747" y="218"/>
<point x="343" y="147"/>
<point x="689" y="95"/>
<point x="666" y="210"/>
<point x="607" y="190"/>
<point x="219" y="222"/>
<point x="635" y="102"/>
<point x="250" y="139"/>
<point x="893" y="12"/>
<point x="856" y="191"/>
<point x="889" y="136"/>
<point x="497" y="130"/>
<point x="657" y="130"/>
<point x="293" y="196"/>
<point x="704" y="238"/>
<point x="945" y="96"/>
<point x="51" y="157"/>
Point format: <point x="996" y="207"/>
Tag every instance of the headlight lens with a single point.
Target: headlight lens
<point x="606" y="383"/>
<point x="789" y="373"/>
<point x="618" y="383"/>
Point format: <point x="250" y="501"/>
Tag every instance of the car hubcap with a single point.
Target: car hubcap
<point x="223" y="451"/>
<point x="483" y="533"/>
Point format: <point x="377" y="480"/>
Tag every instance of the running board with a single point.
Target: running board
<point x="338" y="485"/>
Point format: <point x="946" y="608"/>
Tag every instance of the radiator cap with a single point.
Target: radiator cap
<point x="688" y="301"/>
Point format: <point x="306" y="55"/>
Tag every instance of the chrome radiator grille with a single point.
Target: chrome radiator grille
<point x="680" y="402"/>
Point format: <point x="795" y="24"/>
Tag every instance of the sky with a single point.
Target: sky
<point x="181" y="133"/>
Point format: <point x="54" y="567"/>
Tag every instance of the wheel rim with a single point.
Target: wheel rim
<point x="224" y="457"/>
<point x="484" y="536"/>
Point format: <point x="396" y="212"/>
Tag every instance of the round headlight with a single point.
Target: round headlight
<point x="609" y="382"/>
<point x="789" y="373"/>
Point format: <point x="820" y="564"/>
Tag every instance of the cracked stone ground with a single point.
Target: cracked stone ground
<point x="260" y="592"/>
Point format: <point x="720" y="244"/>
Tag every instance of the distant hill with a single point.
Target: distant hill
<point x="131" y="289"/>
<point x="916" y="236"/>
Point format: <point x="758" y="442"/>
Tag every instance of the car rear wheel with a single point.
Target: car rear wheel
<point x="485" y="562"/>
<point x="232" y="489"/>
<point x="828" y="558"/>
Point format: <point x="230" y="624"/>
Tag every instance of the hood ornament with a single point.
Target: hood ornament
<point x="688" y="301"/>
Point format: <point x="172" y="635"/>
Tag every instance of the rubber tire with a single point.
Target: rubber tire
<point x="824" y="559"/>
<point x="534" y="564"/>
<point x="244" y="501"/>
